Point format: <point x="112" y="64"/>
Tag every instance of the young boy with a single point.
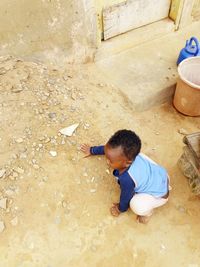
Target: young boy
<point x="143" y="183"/>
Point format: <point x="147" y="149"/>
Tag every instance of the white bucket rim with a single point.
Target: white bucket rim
<point x="181" y="76"/>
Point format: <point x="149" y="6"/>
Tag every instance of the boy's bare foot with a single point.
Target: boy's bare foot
<point x="114" y="210"/>
<point x="143" y="219"/>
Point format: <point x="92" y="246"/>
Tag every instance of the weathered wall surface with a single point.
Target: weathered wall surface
<point x="48" y="29"/>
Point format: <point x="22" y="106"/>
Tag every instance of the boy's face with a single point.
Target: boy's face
<point x="116" y="158"/>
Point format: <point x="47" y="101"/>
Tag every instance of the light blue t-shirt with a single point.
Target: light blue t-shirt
<point x="148" y="176"/>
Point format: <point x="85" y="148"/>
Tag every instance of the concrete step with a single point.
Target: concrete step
<point x="133" y="38"/>
<point x="146" y="75"/>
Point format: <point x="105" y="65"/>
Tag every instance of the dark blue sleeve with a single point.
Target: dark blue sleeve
<point x="127" y="186"/>
<point x="97" y="150"/>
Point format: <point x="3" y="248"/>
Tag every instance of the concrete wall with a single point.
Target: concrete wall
<point x="47" y="29"/>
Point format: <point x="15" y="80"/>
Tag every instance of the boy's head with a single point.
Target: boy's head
<point x="122" y="148"/>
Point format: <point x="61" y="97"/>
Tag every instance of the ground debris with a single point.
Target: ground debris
<point x="19" y="140"/>
<point x="14" y="221"/>
<point x="93" y="190"/>
<point x="2" y="226"/>
<point x="3" y="203"/>
<point x="2" y="172"/>
<point x="68" y="131"/>
<point x="182" y="131"/>
<point x="53" y="153"/>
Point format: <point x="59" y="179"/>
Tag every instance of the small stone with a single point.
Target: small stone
<point x="53" y="153"/>
<point x="107" y="171"/>
<point x="19" y="170"/>
<point x="34" y="161"/>
<point x="2" y="172"/>
<point x="181" y="209"/>
<point x="47" y="140"/>
<point x="182" y="131"/>
<point x="63" y="142"/>
<point x="14" y="156"/>
<point x="57" y="220"/>
<point x="2" y="226"/>
<point x="12" y="178"/>
<point x="14" y="221"/>
<point x="162" y="247"/>
<point x="34" y="144"/>
<point x="15" y="174"/>
<point x="73" y="95"/>
<point x="23" y="156"/>
<point x="9" y="192"/>
<point x="19" y="140"/>
<point x="100" y="84"/>
<point x="3" y="203"/>
<point x="52" y="115"/>
<point x="35" y="166"/>
<point x="31" y="245"/>
<point x="45" y="178"/>
<point x="17" y="90"/>
<point x="93" y="190"/>
<point x="64" y="204"/>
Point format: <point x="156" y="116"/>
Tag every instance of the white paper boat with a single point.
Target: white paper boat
<point x="68" y="131"/>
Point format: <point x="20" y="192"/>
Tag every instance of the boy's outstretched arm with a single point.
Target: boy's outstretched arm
<point x="86" y="150"/>
<point x="92" y="150"/>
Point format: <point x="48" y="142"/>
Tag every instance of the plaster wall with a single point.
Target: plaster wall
<point x="47" y="29"/>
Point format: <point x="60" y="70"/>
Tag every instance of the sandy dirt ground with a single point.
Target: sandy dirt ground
<point x="55" y="203"/>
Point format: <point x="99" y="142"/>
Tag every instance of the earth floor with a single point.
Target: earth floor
<point x="57" y="201"/>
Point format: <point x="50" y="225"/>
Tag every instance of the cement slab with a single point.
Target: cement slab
<point x="147" y="74"/>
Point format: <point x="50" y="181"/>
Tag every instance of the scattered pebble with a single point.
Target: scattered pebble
<point x="2" y="172"/>
<point x="9" y="192"/>
<point x="2" y="226"/>
<point x="52" y="115"/>
<point x="57" y="220"/>
<point x="53" y="153"/>
<point x="93" y="190"/>
<point x="162" y="247"/>
<point x="107" y="171"/>
<point x="35" y="166"/>
<point x="3" y="203"/>
<point x="182" y="131"/>
<point x="181" y="209"/>
<point x="19" y="170"/>
<point x="14" y="221"/>
<point x="101" y="85"/>
<point x="64" y="204"/>
<point x="19" y="140"/>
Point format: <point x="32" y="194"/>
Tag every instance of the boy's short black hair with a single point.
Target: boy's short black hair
<point x="128" y="140"/>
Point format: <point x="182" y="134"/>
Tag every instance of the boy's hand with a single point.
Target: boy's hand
<point x="114" y="210"/>
<point x="86" y="149"/>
